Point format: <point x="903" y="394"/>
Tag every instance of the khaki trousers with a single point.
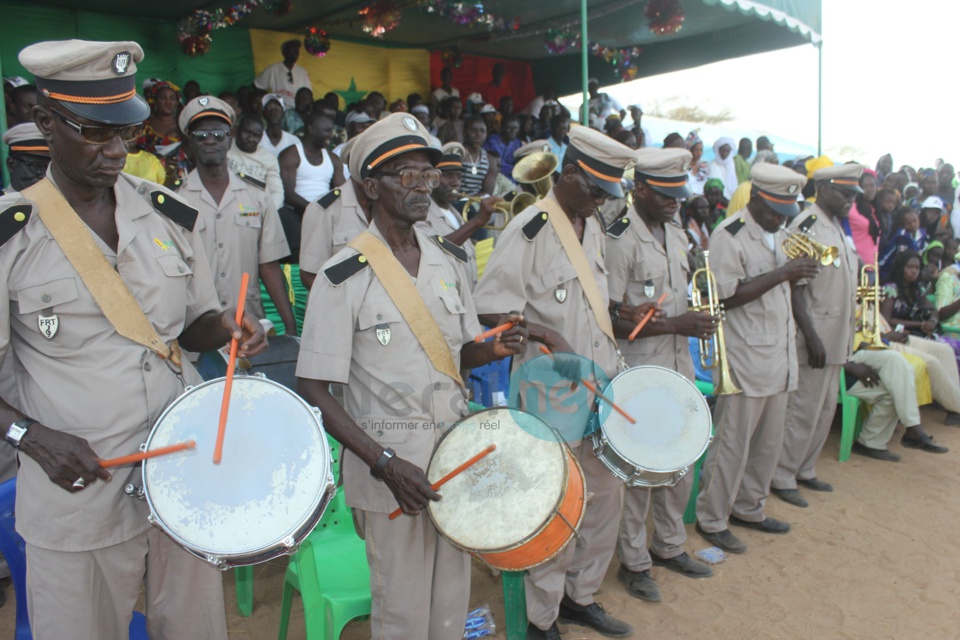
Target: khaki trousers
<point x="420" y="583"/>
<point x="895" y="398"/>
<point x="579" y="569"/>
<point x="941" y="368"/>
<point x="669" y="534"/>
<point x="90" y="595"/>
<point x="741" y="460"/>
<point x="809" y="416"/>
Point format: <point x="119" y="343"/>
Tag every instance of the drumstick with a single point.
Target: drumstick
<point x="228" y="383"/>
<point x="645" y="319"/>
<point x="489" y="333"/>
<point x="450" y="476"/>
<point x="592" y="388"/>
<point x="143" y="455"/>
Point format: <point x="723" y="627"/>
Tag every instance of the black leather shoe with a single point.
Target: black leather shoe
<point x="876" y="454"/>
<point x="639" y="584"/>
<point x="791" y="496"/>
<point x="816" y="485"/>
<point x="952" y="418"/>
<point x="723" y="539"/>
<point x="684" y="565"/>
<point x="926" y="443"/>
<point x="767" y="525"/>
<point x="594" y="617"/>
<point x="536" y="633"/>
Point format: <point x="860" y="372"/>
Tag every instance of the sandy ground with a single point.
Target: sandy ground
<point x="874" y="559"/>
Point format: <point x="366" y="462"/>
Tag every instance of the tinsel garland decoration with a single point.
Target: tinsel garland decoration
<point x="316" y="42"/>
<point x="193" y="32"/>
<point x="664" y="17"/>
<point x="469" y="14"/>
<point x="623" y="59"/>
<point x="379" y="17"/>
<point x="278" y="7"/>
<point x="452" y="58"/>
<point x="560" y="41"/>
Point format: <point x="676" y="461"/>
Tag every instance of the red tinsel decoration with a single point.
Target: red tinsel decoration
<point x="379" y="17"/>
<point x="316" y="42"/>
<point x="278" y="7"/>
<point x="664" y="17"/>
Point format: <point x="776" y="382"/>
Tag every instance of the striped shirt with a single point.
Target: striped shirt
<point x="473" y="174"/>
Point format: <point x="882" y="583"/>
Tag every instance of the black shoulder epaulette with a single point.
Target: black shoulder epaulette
<point x="809" y="222"/>
<point x="457" y="252"/>
<point x="735" y="226"/>
<point x="329" y="198"/>
<point x="12" y="220"/>
<point x="178" y="211"/>
<point x="619" y="227"/>
<point x="252" y="180"/>
<point x="532" y="228"/>
<point x="343" y="271"/>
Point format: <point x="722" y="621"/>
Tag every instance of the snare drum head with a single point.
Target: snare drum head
<point x="508" y="495"/>
<point x="272" y="478"/>
<point x="673" y="419"/>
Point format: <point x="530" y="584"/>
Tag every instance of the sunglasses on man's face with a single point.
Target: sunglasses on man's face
<point x="101" y="135"/>
<point x="202" y="136"/>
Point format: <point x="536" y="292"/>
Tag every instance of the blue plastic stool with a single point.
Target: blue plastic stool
<point x="485" y="381"/>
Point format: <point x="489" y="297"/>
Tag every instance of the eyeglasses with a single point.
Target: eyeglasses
<point x="101" y="135"/>
<point x="201" y="136"/>
<point x="410" y="178"/>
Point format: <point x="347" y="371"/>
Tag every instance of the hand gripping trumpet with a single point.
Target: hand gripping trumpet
<point x="799" y="244"/>
<point x="714" y="345"/>
<point x="869" y="299"/>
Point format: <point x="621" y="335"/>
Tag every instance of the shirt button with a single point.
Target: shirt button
<point x="223" y="274"/>
<point x="180" y="268"/>
<point x="436" y="386"/>
<point x="45" y="297"/>
<point x="379" y="433"/>
<point x="147" y="366"/>
<point x="559" y="278"/>
<point x="219" y="215"/>
<point x="596" y="344"/>
<point x="223" y="303"/>
<point x="220" y="246"/>
<point x="379" y="316"/>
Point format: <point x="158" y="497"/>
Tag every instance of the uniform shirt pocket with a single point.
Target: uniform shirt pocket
<point x="173" y="266"/>
<point x="644" y="276"/>
<point x="761" y="339"/>
<point x="555" y="277"/>
<point x="825" y="312"/>
<point x="452" y="303"/>
<point x="47" y="295"/>
<point x="375" y="314"/>
<point x="249" y="219"/>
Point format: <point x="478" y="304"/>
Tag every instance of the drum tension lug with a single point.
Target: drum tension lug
<point x="134" y="491"/>
<point x="143" y="447"/>
<point x="289" y="542"/>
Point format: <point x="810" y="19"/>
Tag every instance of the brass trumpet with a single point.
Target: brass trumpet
<point x="536" y="170"/>
<point x="513" y="203"/>
<point x="716" y="344"/>
<point x="869" y="299"/>
<point x="799" y="243"/>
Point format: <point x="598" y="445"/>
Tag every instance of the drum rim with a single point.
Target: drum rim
<point x="553" y="510"/>
<point x="602" y="403"/>
<point x="298" y="532"/>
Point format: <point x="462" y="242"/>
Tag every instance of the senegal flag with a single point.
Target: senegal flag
<point x="351" y="70"/>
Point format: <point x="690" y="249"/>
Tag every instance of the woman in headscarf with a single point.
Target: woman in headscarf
<point x="697" y="176"/>
<point x="161" y="135"/>
<point x="723" y="167"/>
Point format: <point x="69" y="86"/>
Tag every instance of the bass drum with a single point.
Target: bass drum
<point x="268" y="492"/>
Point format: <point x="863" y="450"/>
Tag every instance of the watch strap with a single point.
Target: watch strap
<point x="385" y="457"/>
<point x="17" y="430"/>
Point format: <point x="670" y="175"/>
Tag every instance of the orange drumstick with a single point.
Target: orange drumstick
<point x="489" y="333"/>
<point x="228" y="384"/>
<point x="645" y="319"/>
<point x="450" y="476"/>
<point x="143" y="455"/>
<point x="626" y="415"/>
<point x="546" y="351"/>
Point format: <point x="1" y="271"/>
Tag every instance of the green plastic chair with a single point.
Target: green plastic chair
<point x="690" y="514"/>
<point x="343" y="593"/>
<point x="852" y="410"/>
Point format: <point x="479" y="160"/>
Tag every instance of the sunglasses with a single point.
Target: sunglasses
<point x="101" y="135"/>
<point x="410" y="178"/>
<point x="201" y="136"/>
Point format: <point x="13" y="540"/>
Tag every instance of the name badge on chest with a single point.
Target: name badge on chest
<point x="648" y="289"/>
<point x="48" y="324"/>
<point x="383" y="334"/>
<point x="560" y="294"/>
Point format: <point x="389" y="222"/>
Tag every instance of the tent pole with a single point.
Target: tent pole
<point x="584" y="57"/>
<point x="820" y="98"/>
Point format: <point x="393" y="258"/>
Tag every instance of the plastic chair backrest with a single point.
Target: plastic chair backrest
<point x="702" y="374"/>
<point x="13" y="548"/>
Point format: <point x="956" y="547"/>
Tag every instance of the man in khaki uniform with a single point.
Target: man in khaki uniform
<point x="399" y="400"/>
<point x="339" y="216"/>
<point x="238" y="223"/>
<point x="824" y="310"/>
<point x="531" y="270"/>
<point x="87" y="392"/>
<point x="646" y="257"/>
<point x="753" y="283"/>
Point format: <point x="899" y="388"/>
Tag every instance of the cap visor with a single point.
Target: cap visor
<point x="133" y="111"/>
<point x="673" y="192"/>
<point x="790" y="210"/>
<point x="851" y="189"/>
<point x="613" y="188"/>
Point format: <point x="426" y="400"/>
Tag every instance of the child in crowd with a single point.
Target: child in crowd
<point x="908" y="235"/>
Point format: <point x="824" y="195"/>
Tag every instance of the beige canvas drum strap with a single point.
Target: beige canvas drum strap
<point x="393" y="276"/>
<point x="104" y="283"/>
<point x="578" y="258"/>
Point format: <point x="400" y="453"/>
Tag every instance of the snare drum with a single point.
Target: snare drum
<point x="520" y="505"/>
<point x="671" y="433"/>
<point x="268" y="492"/>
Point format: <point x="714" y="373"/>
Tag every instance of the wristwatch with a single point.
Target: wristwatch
<point x="615" y="312"/>
<point x="385" y="457"/>
<point x="899" y="328"/>
<point x="18" y="430"/>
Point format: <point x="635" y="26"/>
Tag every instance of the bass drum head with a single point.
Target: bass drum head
<point x="271" y="482"/>
<point x="673" y="419"/>
<point x="511" y="493"/>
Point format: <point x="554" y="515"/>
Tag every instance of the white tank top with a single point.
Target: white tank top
<point x="314" y="181"/>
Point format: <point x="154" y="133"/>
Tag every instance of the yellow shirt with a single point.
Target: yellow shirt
<point x="740" y="197"/>
<point x="144" y="164"/>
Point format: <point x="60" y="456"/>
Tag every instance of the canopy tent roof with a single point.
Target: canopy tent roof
<point x="713" y="29"/>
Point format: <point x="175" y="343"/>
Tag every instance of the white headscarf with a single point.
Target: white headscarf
<point x="726" y="170"/>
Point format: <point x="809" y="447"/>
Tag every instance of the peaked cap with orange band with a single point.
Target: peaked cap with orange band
<point x="94" y="80"/>
<point x="26" y="138"/>
<point x="779" y="187"/>
<point x="392" y="136"/>
<point x="601" y="157"/>
<point x="205" y="107"/>
<point x="664" y="170"/>
<point x="842" y="176"/>
<point x="452" y="159"/>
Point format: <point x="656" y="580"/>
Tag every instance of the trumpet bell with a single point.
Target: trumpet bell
<point x="537" y="170"/>
<point x="800" y="244"/>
